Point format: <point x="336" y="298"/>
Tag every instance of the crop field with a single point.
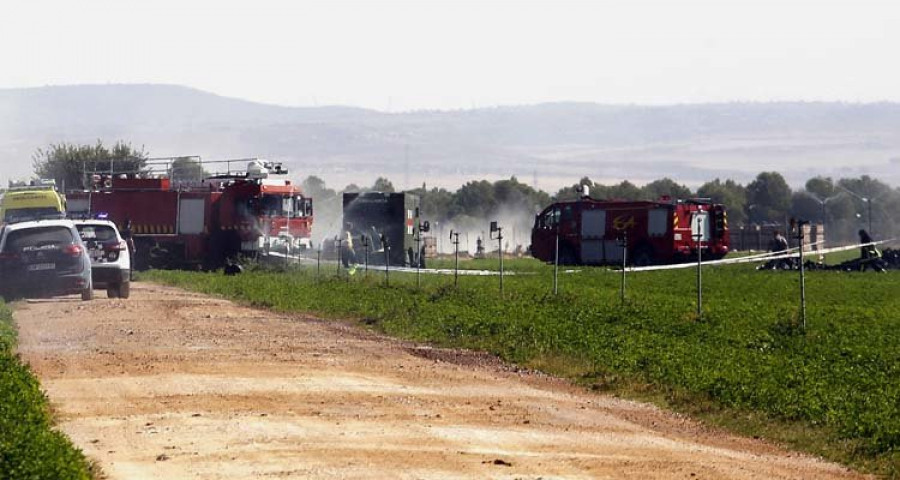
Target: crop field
<point x="29" y="447"/>
<point x="747" y="365"/>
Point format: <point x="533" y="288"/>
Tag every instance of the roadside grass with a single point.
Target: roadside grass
<point x="29" y="446"/>
<point x="831" y="389"/>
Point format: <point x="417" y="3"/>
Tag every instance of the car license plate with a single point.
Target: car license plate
<point x="41" y="266"/>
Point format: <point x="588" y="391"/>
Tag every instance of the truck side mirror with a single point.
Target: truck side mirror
<point x="425" y="226"/>
<point x="494" y="226"/>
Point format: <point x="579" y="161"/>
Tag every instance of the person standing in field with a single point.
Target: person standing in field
<point x="869" y="256"/>
<point x="778" y="245"/>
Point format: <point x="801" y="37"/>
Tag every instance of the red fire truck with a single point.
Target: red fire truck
<point x="202" y="223"/>
<point x="591" y="232"/>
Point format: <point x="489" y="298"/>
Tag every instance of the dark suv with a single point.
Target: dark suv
<point x="44" y="258"/>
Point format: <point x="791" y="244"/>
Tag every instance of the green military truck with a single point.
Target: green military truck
<point x="377" y="218"/>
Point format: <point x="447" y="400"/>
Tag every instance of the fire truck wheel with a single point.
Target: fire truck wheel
<point x="566" y="255"/>
<point x="112" y="291"/>
<point x="643" y="256"/>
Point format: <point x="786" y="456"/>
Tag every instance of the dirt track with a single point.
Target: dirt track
<point x="170" y="385"/>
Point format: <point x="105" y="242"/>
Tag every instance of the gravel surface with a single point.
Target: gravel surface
<point x="171" y="385"/>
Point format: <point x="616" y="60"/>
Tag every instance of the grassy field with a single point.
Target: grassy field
<point x="832" y="388"/>
<point x="29" y="446"/>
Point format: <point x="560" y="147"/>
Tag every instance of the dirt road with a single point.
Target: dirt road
<point x="170" y="385"/>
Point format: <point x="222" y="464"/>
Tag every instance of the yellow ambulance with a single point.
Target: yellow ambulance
<point x="39" y="199"/>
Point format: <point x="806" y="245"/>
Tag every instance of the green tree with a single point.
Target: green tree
<point x="72" y="165"/>
<point x="768" y="198"/>
<point x="514" y="193"/>
<point x="436" y="204"/>
<point x="821" y="187"/>
<point x="187" y="169"/>
<point x="475" y="199"/>
<point x="729" y="193"/>
<point x="623" y="191"/>
<point x="664" y="187"/>
<point x="382" y="184"/>
<point x="315" y="188"/>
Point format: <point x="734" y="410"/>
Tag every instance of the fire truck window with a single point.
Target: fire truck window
<point x="567" y="213"/>
<point x="658" y="221"/>
<point x="302" y="206"/>
<point x="273" y="205"/>
<point x="550" y="219"/>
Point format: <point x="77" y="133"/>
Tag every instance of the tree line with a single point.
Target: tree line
<point x="844" y="205"/>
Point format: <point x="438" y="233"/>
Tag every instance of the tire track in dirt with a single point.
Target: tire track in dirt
<point x="171" y="384"/>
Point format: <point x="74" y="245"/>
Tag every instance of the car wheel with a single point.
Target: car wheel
<point x="124" y="289"/>
<point x="112" y="291"/>
<point x="88" y="293"/>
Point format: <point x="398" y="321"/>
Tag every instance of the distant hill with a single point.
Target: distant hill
<point x="555" y="144"/>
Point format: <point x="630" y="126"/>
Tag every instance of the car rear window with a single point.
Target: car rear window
<point x="30" y="213"/>
<point x="100" y="233"/>
<point x="37" y="237"/>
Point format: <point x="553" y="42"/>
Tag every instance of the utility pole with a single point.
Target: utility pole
<point x="698" y="235"/>
<point x="337" y="243"/>
<point x="364" y="239"/>
<point x="556" y="264"/>
<point x="454" y="237"/>
<point x="387" y="259"/>
<point x="624" y="262"/>
<point x="799" y="236"/>
<point x="499" y="238"/>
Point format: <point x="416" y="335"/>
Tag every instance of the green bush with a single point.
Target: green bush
<point x="29" y="447"/>
<point x="749" y="353"/>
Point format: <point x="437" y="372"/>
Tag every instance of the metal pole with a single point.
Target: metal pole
<point x="556" y="265"/>
<point x="869" y="201"/>
<point x="340" y="257"/>
<point x="318" y="261"/>
<point x="802" y="278"/>
<point x="456" y="260"/>
<point x="699" y="236"/>
<point x="500" y="249"/>
<point x="387" y="260"/>
<point x="418" y="260"/>
<point x="624" y="262"/>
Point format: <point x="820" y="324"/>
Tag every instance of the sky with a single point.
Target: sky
<point x="414" y="55"/>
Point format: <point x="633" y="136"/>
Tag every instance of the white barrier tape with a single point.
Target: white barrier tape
<point x="375" y="268"/>
<point x="792" y="253"/>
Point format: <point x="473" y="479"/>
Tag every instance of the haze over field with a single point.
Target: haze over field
<point x="442" y="91"/>
<point x="553" y="144"/>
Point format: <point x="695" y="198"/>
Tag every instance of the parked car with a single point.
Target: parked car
<point x="110" y="258"/>
<point x="44" y="258"/>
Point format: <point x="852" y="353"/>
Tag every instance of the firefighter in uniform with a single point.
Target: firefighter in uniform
<point x="127" y="235"/>
<point x="348" y="254"/>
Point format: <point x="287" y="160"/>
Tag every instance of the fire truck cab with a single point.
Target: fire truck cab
<point x="599" y="232"/>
